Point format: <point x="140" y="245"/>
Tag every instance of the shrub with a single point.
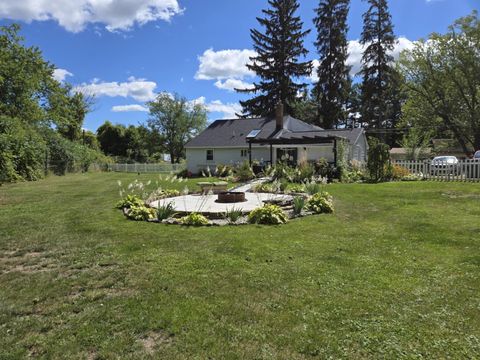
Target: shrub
<point x="22" y="151"/>
<point x="165" y="211"/>
<point x="283" y="184"/>
<point x="267" y="187"/>
<point x="399" y="172"/>
<point x="130" y="201"/>
<point x="244" y="172"/>
<point x="232" y="215"/>
<point x="312" y="188"/>
<point x="224" y="170"/>
<point x="296" y="188"/>
<point x="305" y="171"/>
<point x="194" y="219"/>
<point x="321" y="203"/>
<point x="184" y="174"/>
<point x="141" y="213"/>
<point x="298" y="204"/>
<point x="379" y="166"/>
<point x="284" y="171"/>
<point x="268" y="215"/>
<point x="160" y="194"/>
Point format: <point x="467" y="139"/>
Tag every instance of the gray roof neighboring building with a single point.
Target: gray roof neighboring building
<point x="233" y="133"/>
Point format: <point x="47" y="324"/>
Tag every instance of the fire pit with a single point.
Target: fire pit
<point x="229" y="197"/>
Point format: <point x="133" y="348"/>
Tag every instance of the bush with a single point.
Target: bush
<point x="68" y="156"/>
<point x="268" y="215"/>
<point x="22" y="151"/>
<point x="160" y="194"/>
<point x="298" y="204"/>
<point x="165" y="211"/>
<point x="305" y="171"/>
<point x="267" y="187"/>
<point x="399" y="172"/>
<point x="296" y="188"/>
<point x="312" y="188"/>
<point x="321" y="203"/>
<point x="141" y="213"/>
<point x="194" y="219"/>
<point x="130" y="201"/>
<point x="224" y="170"/>
<point x="244" y="172"/>
<point x="184" y="174"/>
<point x="379" y="166"/>
<point x="354" y="172"/>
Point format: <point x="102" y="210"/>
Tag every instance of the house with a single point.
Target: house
<point x="267" y="140"/>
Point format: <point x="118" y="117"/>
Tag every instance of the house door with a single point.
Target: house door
<point x="288" y="155"/>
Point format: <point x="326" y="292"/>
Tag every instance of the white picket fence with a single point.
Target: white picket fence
<point x="146" y="168"/>
<point x="465" y="170"/>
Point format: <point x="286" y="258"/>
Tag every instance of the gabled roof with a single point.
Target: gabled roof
<point x="234" y="132"/>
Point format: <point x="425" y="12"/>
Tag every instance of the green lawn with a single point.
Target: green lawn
<point x="395" y="273"/>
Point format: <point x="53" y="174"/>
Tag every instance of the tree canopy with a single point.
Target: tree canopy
<point x="443" y="83"/>
<point x="332" y="88"/>
<point x="40" y="118"/>
<point x="277" y="64"/>
<point x="177" y="121"/>
<point x="380" y="103"/>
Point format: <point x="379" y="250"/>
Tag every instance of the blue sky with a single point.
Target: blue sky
<point x="125" y="51"/>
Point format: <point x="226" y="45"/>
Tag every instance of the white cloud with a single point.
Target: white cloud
<point x="138" y="89"/>
<point x="61" y="74"/>
<point x="232" y="84"/>
<point x="129" y="108"/>
<point x="224" y="64"/>
<point x="355" y="53"/>
<point x="74" y="15"/>
<point x="355" y="50"/>
<point x="228" y="110"/>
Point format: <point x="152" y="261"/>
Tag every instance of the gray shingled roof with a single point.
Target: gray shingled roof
<point x="233" y="133"/>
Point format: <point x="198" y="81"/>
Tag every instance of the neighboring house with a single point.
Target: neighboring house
<point x="267" y="140"/>
<point x="402" y="153"/>
<point x="438" y="147"/>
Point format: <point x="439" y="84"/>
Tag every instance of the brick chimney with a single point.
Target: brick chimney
<point x="279" y="115"/>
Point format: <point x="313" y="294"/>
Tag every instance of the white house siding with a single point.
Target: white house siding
<point x="315" y="153"/>
<point x="197" y="157"/>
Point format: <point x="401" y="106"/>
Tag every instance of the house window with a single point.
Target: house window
<point x="210" y="155"/>
<point x="244" y="153"/>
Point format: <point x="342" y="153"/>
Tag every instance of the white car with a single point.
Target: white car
<point x="477" y="155"/>
<point x="441" y="165"/>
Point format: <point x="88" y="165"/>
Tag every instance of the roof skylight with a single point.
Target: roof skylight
<point x="253" y="134"/>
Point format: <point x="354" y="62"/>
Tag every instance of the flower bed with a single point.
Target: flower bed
<point x="307" y="199"/>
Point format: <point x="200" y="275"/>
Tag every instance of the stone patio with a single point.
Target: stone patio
<point x="206" y="204"/>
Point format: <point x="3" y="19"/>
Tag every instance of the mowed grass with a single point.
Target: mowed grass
<point x="394" y="273"/>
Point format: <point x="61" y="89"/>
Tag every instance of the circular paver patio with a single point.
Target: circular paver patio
<point x="207" y="203"/>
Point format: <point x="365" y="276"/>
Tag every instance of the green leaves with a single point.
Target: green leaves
<point x="194" y="219"/>
<point x="177" y="121"/>
<point x="279" y="48"/>
<point x="268" y="215"/>
<point x="444" y="85"/>
<point x="321" y="203"/>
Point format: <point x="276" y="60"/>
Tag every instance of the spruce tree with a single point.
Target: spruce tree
<point x="277" y="64"/>
<point x="333" y="86"/>
<point x="377" y="72"/>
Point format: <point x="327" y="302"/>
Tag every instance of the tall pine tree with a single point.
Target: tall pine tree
<point x="277" y="64"/>
<point x="378" y="86"/>
<point x="333" y="86"/>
